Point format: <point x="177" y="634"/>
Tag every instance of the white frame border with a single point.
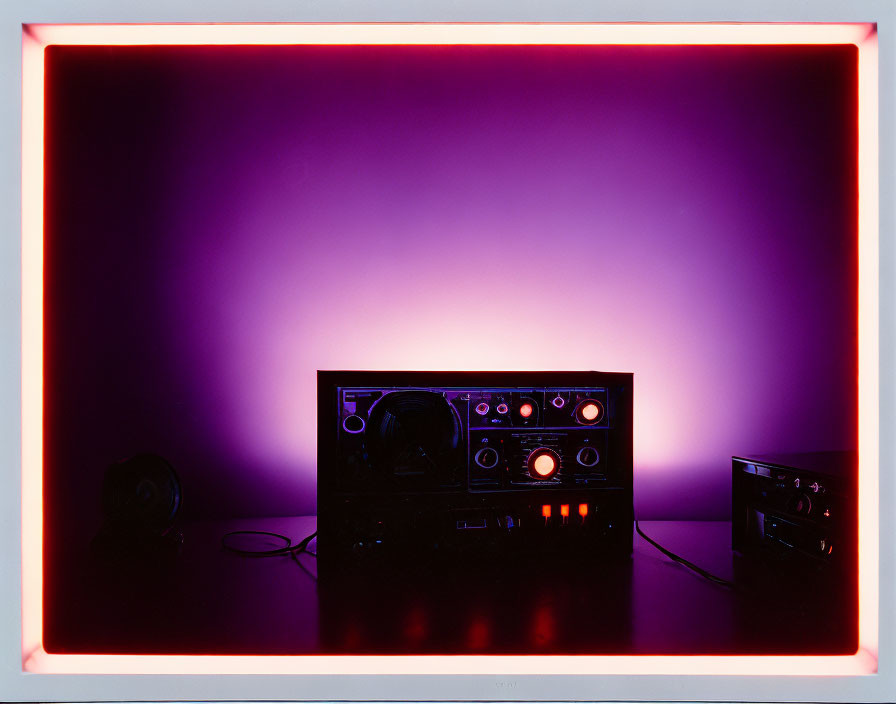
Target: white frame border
<point x="516" y="676"/>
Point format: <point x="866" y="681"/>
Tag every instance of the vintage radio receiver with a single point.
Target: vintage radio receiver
<point x="441" y="462"/>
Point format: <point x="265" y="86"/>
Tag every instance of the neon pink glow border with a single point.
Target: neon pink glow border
<point x="36" y="37"/>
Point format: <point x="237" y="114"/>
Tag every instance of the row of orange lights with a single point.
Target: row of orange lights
<point x="564" y="510"/>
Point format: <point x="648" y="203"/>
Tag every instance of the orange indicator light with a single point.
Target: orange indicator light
<point x="564" y="510"/>
<point x="526" y="410"/>
<point x="544" y="465"/>
<point x="546" y="510"/>
<point x="590" y="411"/>
<point x="583" y="510"/>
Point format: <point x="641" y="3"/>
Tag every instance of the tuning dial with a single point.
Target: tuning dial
<point x="482" y="408"/>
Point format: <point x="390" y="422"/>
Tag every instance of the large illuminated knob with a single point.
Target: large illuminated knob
<point x="589" y="411"/>
<point x="543" y="463"/>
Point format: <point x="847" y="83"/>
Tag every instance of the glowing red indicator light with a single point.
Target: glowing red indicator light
<point x="544" y="465"/>
<point x="526" y="410"/>
<point x="583" y="510"/>
<point x="590" y="411"/>
<point x="546" y="510"/>
<point x="564" y="510"/>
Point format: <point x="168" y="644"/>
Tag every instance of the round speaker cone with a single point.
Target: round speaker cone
<point x="415" y="433"/>
<point x="142" y="492"/>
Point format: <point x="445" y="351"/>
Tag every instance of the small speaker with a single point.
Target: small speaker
<point x="141" y="497"/>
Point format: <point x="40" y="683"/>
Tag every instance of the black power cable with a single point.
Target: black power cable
<point x="286" y="549"/>
<point x="302" y="546"/>
<point x="686" y="563"/>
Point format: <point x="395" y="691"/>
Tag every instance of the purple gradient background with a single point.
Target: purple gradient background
<point x="222" y="222"/>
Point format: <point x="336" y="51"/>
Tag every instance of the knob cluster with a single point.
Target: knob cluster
<point x="483" y="408"/>
<point x="522" y="411"/>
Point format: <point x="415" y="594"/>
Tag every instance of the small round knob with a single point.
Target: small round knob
<point x="801" y="504"/>
<point x="353" y="424"/>
<point x="487" y="458"/>
<point x="587" y="456"/>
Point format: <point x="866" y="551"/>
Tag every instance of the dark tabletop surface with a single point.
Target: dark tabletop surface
<point x="205" y="599"/>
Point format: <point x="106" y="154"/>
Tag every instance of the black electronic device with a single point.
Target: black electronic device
<point x="800" y="506"/>
<point x="461" y="463"/>
<point x="795" y="525"/>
